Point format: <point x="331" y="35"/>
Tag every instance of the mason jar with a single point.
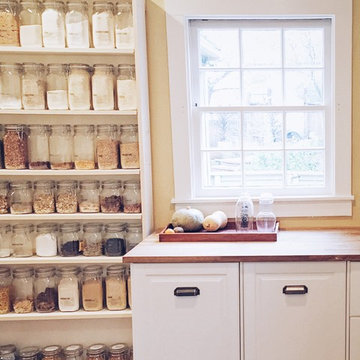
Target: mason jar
<point x="103" y="25"/>
<point x="69" y="239"/>
<point x="10" y="86"/>
<point x="38" y="147"/>
<point x="51" y="352"/>
<point x="110" y="196"/>
<point x="4" y="199"/>
<point x="114" y="239"/>
<point x="126" y="87"/>
<point x="73" y="352"/>
<point x="46" y="239"/>
<point x="89" y="196"/>
<point x="29" y="353"/>
<point x="115" y="287"/>
<point x="66" y="197"/>
<point x="69" y="289"/>
<point x="92" y="244"/>
<point x="133" y="235"/>
<point x="9" y="23"/>
<point x="57" y="87"/>
<point x="8" y="352"/>
<point x="77" y="24"/>
<point x="84" y="147"/>
<point x="92" y="290"/>
<point x="79" y="87"/>
<point x="5" y="241"/>
<point x="53" y="24"/>
<point x="15" y="147"/>
<point x="44" y="197"/>
<point x="2" y="165"/>
<point x="23" y="290"/>
<point x="5" y="288"/>
<point x="20" y="196"/>
<point x="129" y="147"/>
<point x="129" y="293"/>
<point x="107" y="148"/>
<point x="103" y="87"/>
<point x="61" y="147"/>
<point x="30" y="24"/>
<point x="132" y="197"/>
<point x="33" y="86"/>
<point x="45" y="291"/>
<point x="124" y="27"/>
<point x="96" y="352"/>
<point x="22" y="240"/>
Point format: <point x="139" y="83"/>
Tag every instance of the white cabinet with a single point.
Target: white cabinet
<point x="354" y="310"/>
<point x="201" y="326"/>
<point x="294" y="311"/>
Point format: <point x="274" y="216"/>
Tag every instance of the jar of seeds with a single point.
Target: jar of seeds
<point x="107" y="147"/>
<point x="5" y="284"/>
<point x="132" y="197"/>
<point x="22" y="240"/>
<point x="38" y="147"/>
<point x="15" y="147"/>
<point x="5" y="241"/>
<point x="92" y="244"/>
<point x="45" y="291"/>
<point x="84" y="147"/>
<point x="4" y="201"/>
<point x="61" y="147"/>
<point x="44" y="197"/>
<point x="66" y="198"/>
<point x="20" y="196"/>
<point x="69" y="239"/>
<point x="89" y="196"/>
<point x="22" y="290"/>
<point x="110" y="196"/>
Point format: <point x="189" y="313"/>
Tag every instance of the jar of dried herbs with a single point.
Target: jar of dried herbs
<point x="129" y="147"/>
<point x="69" y="239"/>
<point x="44" y="197"/>
<point x="15" y="147"/>
<point x="5" y="283"/>
<point x="92" y="244"/>
<point x="132" y="197"/>
<point x="29" y="353"/>
<point x="107" y="147"/>
<point x="89" y="196"/>
<point x="73" y="352"/>
<point x="61" y="147"/>
<point x="114" y="239"/>
<point x="52" y="352"/>
<point x="92" y="289"/>
<point x="4" y="201"/>
<point x="22" y="290"/>
<point x="45" y="290"/>
<point x="115" y="286"/>
<point x="96" y="352"/>
<point x="5" y="241"/>
<point x="9" y="23"/>
<point x="20" y="196"/>
<point x="22" y="240"/>
<point x="110" y="196"/>
<point x="38" y="147"/>
<point x="66" y="197"/>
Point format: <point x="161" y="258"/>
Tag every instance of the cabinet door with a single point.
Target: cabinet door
<point x="170" y="326"/>
<point x="294" y="311"/>
<point x="354" y="338"/>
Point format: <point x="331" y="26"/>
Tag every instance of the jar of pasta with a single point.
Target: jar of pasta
<point x="132" y="197"/>
<point x="5" y="284"/>
<point x="15" y="147"/>
<point x="79" y="87"/>
<point x="61" y="147"/>
<point x="77" y="24"/>
<point x="22" y="290"/>
<point x="10" y="86"/>
<point x="92" y="244"/>
<point x="22" y="240"/>
<point x="44" y="197"/>
<point x="92" y="290"/>
<point x="84" y="147"/>
<point x="115" y="286"/>
<point x="103" y="25"/>
<point x="53" y="24"/>
<point x="69" y="239"/>
<point x="5" y="241"/>
<point x="89" y="196"/>
<point x="57" y="87"/>
<point x="38" y="147"/>
<point x="129" y="147"/>
<point x="107" y="147"/>
<point x="66" y="197"/>
<point x="20" y="197"/>
<point x="103" y="87"/>
<point x="33" y="86"/>
<point x="9" y="23"/>
<point x="45" y="294"/>
<point x="30" y="24"/>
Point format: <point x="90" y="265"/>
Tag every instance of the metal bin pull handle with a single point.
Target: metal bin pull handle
<point x="187" y="291"/>
<point x="295" y="290"/>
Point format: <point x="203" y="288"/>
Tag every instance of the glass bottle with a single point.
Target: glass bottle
<point x="103" y="25"/>
<point x="38" y="147"/>
<point x="133" y="235"/>
<point x="53" y="24"/>
<point x="92" y="290"/>
<point x="126" y="87"/>
<point x="110" y="196"/>
<point x="51" y="352"/>
<point x="5" y="241"/>
<point x="132" y="197"/>
<point x="33" y="86"/>
<point x="89" y="196"/>
<point x="69" y="239"/>
<point x="92" y="239"/>
<point x="103" y="87"/>
<point x="118" y="352"/>
<point x="114" y="239"/>
<point x="30" y="24"/>
<point x="44" y="197"/>
<point x="4" y="200"/>
<point x="69" y="289"/>
<point x="124" y="28"/>
<point x="115" y="285"/>
<point x="73" y="352"/>
<point x="8" y="352"/>
<point x="10" y="86"/>
<point x="57" y="87"/>
<point x="5" y="288"/>
<point x="22" y="290"/>
<point x="46" y="239"/>
<point x="77" y="24"/>
<point x="244" y="213"/>
<point x="45" y="290"/>
<point x="84" y="147"/>
<point x="79" y="87"/>
<point x="20" y="196"/>
<point x="9" y="23"/>
<point x="61" y="147"/>
<point x="29" y="353"/>
<point x="15" y="147"/>
<point x="129" y="147"/>
<point x="66" y="197"/>
<point x="107" y="148"/>
<point x="265" y="219"/>
<point x="22" y="240"/>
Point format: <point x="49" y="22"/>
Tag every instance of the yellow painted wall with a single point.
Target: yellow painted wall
<point x="162" y="164"/>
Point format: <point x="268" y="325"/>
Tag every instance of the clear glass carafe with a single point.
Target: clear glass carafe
<point x="103" y="25"/>
<point x="129" y="147"/>
<point x="38" y="147"/>
<point x="10" y="86"/>
<point x="114" y="239"/>
<point x="53" y="24"/>
<point x="15" y="147"/>
<point x="126" y="87"/>
<point x="57" y="87"/>
<point x="107" y="147"/>
<point x="265" y="219"/>
<point x="61" y="147"/>
<point x="5" y="241"/>
<point x="89" y="196"/>
<point x="46" y="239"/>
<point x="73" y="352"/>
<point x="132" y="197"/>
<point x="5" y="289"/>
<point x="45" y="290"/>
<point x="44" y="197"/>
<point x="69" y="289"/>
<point x="30" y="24"/>
<point x="21" y="197"/>
<point x="244" y="213"/>
<point x="69" y="239"/>
<point x="92" y="244"/>
<point x="66" y="197"/>
<point x="103" y="87"/>
<point x="23" y="290"/>
<point x="110" y="196"/>
<point x="92" y="290"/>
<point x="4" y="199"/>
<point x="77" y="24"/>
<point x="52" y="352"/>
<point x="124" y="28"/>
<point x="33" y="86"/>
<point x="115" y="286"/>
<point x="22" y="240"/>
<point x="84" y="147"/>
<point x="9" y="23"/>
<point x="79" y="87"/>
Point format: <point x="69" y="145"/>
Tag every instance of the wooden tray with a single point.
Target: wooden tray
<point x="229" y="233"/>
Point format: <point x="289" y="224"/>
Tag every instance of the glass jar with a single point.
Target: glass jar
<point x="15" y="147"/>
<point x="33" y="86"/>
<point x="129" y="294"/>
<point x="244" y="213"/>
<point x="2" y="166"/>
<point x="52" y="352"/>
<point x="115" y="285"/>
<point x="133" y="235"/>
<point x="45" y="291"/>
<point x="103" y="87"/>
<point x="46" y="239"/>
<point x="5" y="241"/>
<point x="129" y="147"/>
<point x="124" y="28"/>
<point x="79" y="87"/>
<point x="10" y="85"/>
<point x="118" y="352"/>
<point x="38" y="147"/>
<point x="69" y="239"/>
<point x="132" y="197"/>
<point x="5" y="284"/>
<point x="77" y="25"/>
<point x="265" y="219"/>
<point x="66" y="197"/>
<point x="92" y="244"/>
<point x="30" y="24"/>
<point x="9" y="23"/>
<point x="131" y="353"/>
<point x="96" y="352"/>
<point x="22" y="240"/>
<point x="84" y="147"/>
<point x="103" y="25"/>
<point x="4" y="200"/>
<point x="110" y="196"/>
<point x="73" y="352"/>
<point x="126" y="87"/>
<point x="29" y="353"/>
<point x="57" y="87"/>
<point x="53" y="24"/>
<point x="22" y="290"/>
<point x="114" y="239"/>
<point x="107" y="148"/>
<point x="20" y="196"/>
<point x="92" y="290"/>
<point x="8" y="352"/>
<point x="89" y="196"/>
<point x="69" y="289"/>
<point x="61" y="147"/>
<point x="44" y="197"/>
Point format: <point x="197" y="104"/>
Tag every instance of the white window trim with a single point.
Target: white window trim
<point x="178" y="13"/>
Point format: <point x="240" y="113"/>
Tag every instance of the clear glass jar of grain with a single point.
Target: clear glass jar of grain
<point x="92" y="239"/>
<point x="92" y="289"/>
<point x="110" y="196"/>
<point x="4" y="200"/>
<point x="33" y="84"/>
<point x="79" y="87"/>
<point x="129" y="147"/>
<point x="103" y="87"/>
<point x="115" y="286"/>
<point x="45" y="290"/>
<point x="15" y="147"/>
<point x="66" y="197"/>
<point x="38" y="147"/>
<point x="61" y="147"/>
<point x="9" y="23"/>
<point x="30" y="24"/>
<point x="5" y="241"/>
<point x="57" y="87"/>
<point x="44" y="197"/>
<point x="84" y="147"/>
<point x="22" y="240"/>
<point x="21" y="197"/>
<point x="69" y="239"/>
<point x="23" y="290"/>
<point x="103" y="25"/>
<point x="89" y="196"/>
<point x="124" y="27"/>
<point x="5" y="285"/>
<point x="77" y="24"/>
<point x="107" y="147"/>
<point x="132" y="197"/>
<point x="10" y="86"/>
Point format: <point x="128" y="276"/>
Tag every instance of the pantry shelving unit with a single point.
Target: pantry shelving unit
<point x="81" y="327"/>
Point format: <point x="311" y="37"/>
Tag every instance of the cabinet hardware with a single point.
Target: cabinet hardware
<point x="295" y="290"/>
<point x="187" y="291"/>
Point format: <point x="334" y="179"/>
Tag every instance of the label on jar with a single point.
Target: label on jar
<point x="124" y="38"/>
<point x="53" y="28"/>
<point x="129" y="155"/>
<point x="30" y="35"/>
<point x="103" y="92"/>
<point x="103" y="30"/>
<point x="57" y="100"/>
<point x="126" y="92"/>
<point x="77" y="34"/>
<point x="31" y="87"/>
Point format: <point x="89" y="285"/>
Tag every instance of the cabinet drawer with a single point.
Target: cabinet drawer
<point x="355" y="288"/>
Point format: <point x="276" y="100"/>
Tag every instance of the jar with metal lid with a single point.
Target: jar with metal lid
<point x="5" y="241"/>
<point x="57" y="87"/>
<point x="103" y="25"/>
<point x="79" y="87"/>
<point x="46" y="239"/>
<point x="5" y="284"/>
<point x="33" y="86"/>
<point x="29" y="353"/>
<point x="44" y="197"/>
<point x="133" y="235"/>
<point x="107" y="147"/>
<point x="4" y="200"/>
<point x="92" y="289"/>
<point x="124" y="27"/>
<point x="126" y="87"/>
<point x="45" y="291"/>
<point x="22" y="240"/>
<point x="73" y="352"/>
<point x="9" y="23"/>
<point x="114" y="239"/>
<point x="38" y="147"/>
<point x="129" y="147"/>
<point x="92" y="244"/>
<point x="89" y="196"/>
<point x="30" y="24"/>
<point x="23" y="290"/>
<point x="132" y="197"/>
<point x="69" y="239"/>
<point x="128" y="276"/>
<point x="10" y="86"/>
<point x="15" y="147"/>
<point x="8" y="352"/>
<point x="96" y="352"/>
<point x="61" y="147"/>
<point x="118" y="352"/>
<point x="20" y="196"/>
<point x="53" y="24"/>
<point x="84" y="147"/>
<point x="77" y="24"/>
<point x="110" y="196"/>
<point x="103" y="87"/>
<point x="69" y="289"/>
<point x="66" y="197"/>
<point x="51" y="352"/>
<point x="115" y="285"/>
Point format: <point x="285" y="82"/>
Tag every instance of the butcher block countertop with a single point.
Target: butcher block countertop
<point x="292" y="245"/>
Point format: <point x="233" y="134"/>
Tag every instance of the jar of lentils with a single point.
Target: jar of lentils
<point x="118" y="352"/>
<point x="96" y="352"/>
<point x="52" y="352"/>
<point x="73" y="352"/>
<point x="15" y="147"/>
<point x="107" y="147"/>
<point x="92" y="244"/>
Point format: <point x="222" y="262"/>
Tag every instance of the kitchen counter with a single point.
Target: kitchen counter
<point x="292" y="245"/>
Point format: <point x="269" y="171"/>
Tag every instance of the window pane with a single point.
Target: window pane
<point x="262" y="87"/>
<point x="219" y="48"/>
<point x="261" y="48"/>
<point x="263" y="130"/>
<point x="305" y="130"/>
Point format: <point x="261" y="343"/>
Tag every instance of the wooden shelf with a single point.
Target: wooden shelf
<point x="64" y="51"/>
<point x="70" y="112"/>
<point x="76" y="216"/>
<point x="96" y="172"/>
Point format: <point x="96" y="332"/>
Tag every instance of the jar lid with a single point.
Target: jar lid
<point x="51" y="350"/>
<point x="24" y="226"/>
<point x="44" y="184"/>
<point x="92" y="227"/>
<point x="103" y="3"/>
<point x="96" y="349"/>
<point x="4" y="272"/>
<point x="45" y="271"/>
<point x="54" y="3"/>
<point x="21" y="185"/>
<point x="80" y="66"/>
<point x="10" y="66"/>
<point x="132" y="127"/>
<point x="39" y="127"/>
<point x="69" y="227"/>
<point x="74" y="349"/>
<point x="134" y="227"/>
<point x="5" y="227"/>
<point x="111" y="184"/>
<point x="15" y="127"/>
<point x="114" y="270"/>
<point x="107" y="127"/>
<point x="123" y="6"/>
<point x="66" y="183"/>
<point x="33" y="66"/>
<point x="92" y="269"/>
<point x="118" y="349"/>
<point x="23" y="272"/>
<point x="57" y="67"/>
<point x="29" y="351"/>
<point x="61" y="128"/>
<point x="4" y="184"/>
<point x="104" y="67"/>
<point x="126" y="66"/>
<point x="114" y="227"/>
<point x="73" y="270"/>
<point x="131" y="184"/>
<point x="33" y="2"/>
<point x="47" y="226"/>
<point x="89" y="184"/>
<point x="90" y="128"/>
<point x="77" y="4"/>
<point x="7" y="349"/>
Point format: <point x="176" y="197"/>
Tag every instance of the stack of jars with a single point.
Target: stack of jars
<point x="33" y="86"/>
<point x="47" y="289"/>
<point x="61" y="147"/>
